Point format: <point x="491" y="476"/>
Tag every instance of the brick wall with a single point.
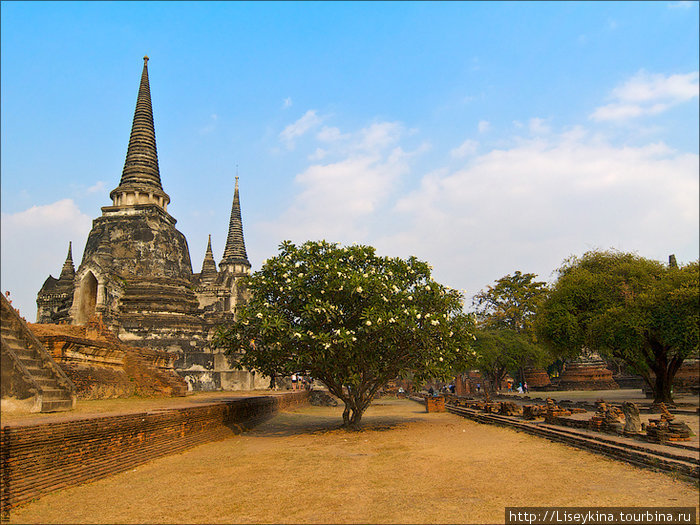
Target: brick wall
<point x="41" y="458"/>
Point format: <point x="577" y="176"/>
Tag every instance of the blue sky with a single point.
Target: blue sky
<point x="483" y="137"/>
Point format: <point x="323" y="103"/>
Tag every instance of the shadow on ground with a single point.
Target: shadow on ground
<point x="295" y="423"/>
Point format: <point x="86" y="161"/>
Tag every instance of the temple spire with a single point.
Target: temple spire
<point x="68" y="270"/>
<point x="209" y="272"/>
<point x="234" y="252"/>
<point x="140" y="182"/>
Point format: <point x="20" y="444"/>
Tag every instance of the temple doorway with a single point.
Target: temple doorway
<point x="87" y="298"/>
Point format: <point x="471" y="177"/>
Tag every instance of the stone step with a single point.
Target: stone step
<point x="17" y="348"/>
<point x="39" y="372"/>
<point x="45" y="382"/>
<point x="24" y="353"/>
<point x="56" y="405"/>
<point x="54" y="394"/>
<point x="12" y="342"/>
<point x="30" y="363"/>
<point x="9" y="334"/>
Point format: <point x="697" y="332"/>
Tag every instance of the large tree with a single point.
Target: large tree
<point x="499" y="351"/>
<point x="350" y="318"/>
<point x="506" y="339"/>
<point x="629" y="307"/>
<point x="511" y="303"/>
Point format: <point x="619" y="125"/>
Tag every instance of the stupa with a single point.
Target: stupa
<point x="587" y="372"/>
<point x="537" y="378"/>
<point x="136" y="273"/>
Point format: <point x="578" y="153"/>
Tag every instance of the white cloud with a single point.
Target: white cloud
<point x="531" y="206"/>
<point x="484" y="126"/>
<point x="648" y="94"/>
<point x="524" y="207"/>
<point x="380" y="135"/>
<point x="467" y="148"/>
<point x="330" y="134"/>
<point x="34" y="245"/>
<point x="98" y="187"/>
<point x="295" y="130"/>
<point x="287" y="103"/>
<point x="319" y="154"/>
<point x="337" y="200"/>
<point x="210" y="126"/>
<point x="683" y="4"/>
<point x="538" y="126"/>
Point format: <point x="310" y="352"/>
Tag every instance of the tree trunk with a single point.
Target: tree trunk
<point x="355" y="420"/>
<point x="355" y="406"/>
<point x="346" y="415"/>
<point x="662" y="387"/>
<point x="665" y="370"/>
<point x="352" y="416"/>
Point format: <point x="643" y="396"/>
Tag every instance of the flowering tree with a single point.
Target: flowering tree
<point x="350" y="318"/>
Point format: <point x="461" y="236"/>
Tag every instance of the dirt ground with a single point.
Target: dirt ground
<point x="405" y="466"/>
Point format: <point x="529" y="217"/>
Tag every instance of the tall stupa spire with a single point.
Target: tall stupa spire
<point x="68" y="270"/>
<point x="209" y="272"/>
<point x="234" y="252"/>
<point x="140" y="182"/>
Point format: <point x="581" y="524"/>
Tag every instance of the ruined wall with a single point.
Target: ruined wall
<point x="42" y="458"/>
<point x="102" y="367"/>
<point x="214" y="371"/>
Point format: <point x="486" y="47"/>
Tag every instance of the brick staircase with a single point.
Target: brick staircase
<point x="30" y="374"/>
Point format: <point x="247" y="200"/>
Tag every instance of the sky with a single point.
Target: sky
<point x="482" y="137"/>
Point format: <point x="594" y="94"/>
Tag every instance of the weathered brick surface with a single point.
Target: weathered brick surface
<point x="37" y="459"/>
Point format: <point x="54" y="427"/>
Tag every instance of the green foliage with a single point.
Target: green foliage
<point x="505" y="341"/>
<point x="511" y="303"/>
<point x="498" y="351"/>
<point x="625" y="306"/>
<point x="349" y="318"/>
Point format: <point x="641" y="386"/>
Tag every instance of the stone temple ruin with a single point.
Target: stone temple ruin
<point x="136" y="274"/>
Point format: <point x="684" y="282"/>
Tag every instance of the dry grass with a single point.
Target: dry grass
<point x="406" y="466"/>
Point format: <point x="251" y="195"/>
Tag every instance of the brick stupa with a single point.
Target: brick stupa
<point x="587" y="372"/>
<point x="136" y="273"/>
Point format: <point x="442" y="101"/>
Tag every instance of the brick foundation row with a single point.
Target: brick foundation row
<point x="635" y="454"/>
<point x="38" y="459"/>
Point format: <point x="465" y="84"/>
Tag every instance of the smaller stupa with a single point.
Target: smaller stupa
<point x="56" y="295"/>
<point x="587" y="372"/>
<point x="537" y="378"/>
